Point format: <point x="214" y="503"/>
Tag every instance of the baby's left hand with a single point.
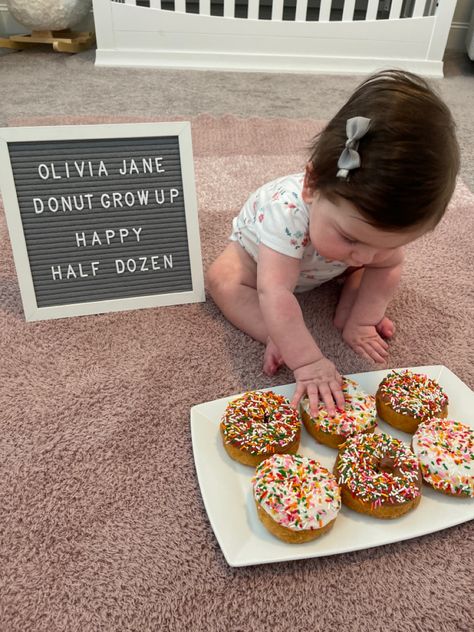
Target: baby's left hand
<point x="366" y="341"/>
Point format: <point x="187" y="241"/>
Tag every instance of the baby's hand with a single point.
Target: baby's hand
<point x="321" y="381"/>
<point x="366" y="341"/>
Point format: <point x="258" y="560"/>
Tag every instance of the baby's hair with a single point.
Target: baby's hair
<point x="409" y="155"/>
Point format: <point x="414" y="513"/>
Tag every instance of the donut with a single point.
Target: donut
<point x="297" y="498"/>
<point x="258" y="424"/>
<point x="445" y="451"/>
<point x="359" y="415"/>
<point x="378" y="475"/>
<point x="404" y="399"/>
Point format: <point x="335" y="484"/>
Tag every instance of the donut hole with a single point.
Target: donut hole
<point x="386" y="464"/>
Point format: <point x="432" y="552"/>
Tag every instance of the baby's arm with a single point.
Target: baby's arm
<point x="315" y="375"/>
<point x="377" y="286"/>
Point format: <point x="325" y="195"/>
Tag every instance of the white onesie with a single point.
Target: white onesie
<point x="277" y="216"/>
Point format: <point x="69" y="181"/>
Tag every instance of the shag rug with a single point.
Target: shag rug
<point x="102" y="526"/>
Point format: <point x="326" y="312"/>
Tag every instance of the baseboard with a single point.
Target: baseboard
<point x="245" y="62"/>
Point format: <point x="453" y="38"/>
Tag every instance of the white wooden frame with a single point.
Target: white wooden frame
<point x="82" y="132"/>
<point x="130" y="35"/>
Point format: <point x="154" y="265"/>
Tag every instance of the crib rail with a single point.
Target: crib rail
<point x="275" y="35"/>
<point x="297" y="10"/>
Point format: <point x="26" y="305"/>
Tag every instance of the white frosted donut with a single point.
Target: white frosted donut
<point x="359" y="415"/>
<point x="297" y="492"/>
<point x="445" y="450"/>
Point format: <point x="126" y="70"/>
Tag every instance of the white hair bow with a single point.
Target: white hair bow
<point x="356" y="128"/>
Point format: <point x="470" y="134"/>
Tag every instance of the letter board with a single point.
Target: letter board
<point x="101" y="217"/>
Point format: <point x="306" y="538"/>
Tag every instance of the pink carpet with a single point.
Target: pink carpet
<point x="102" y="525"/>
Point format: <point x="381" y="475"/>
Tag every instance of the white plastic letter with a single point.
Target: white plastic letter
<point x="39" y="206"/>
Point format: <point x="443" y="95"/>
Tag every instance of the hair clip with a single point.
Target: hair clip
<point x="356" y="128"/>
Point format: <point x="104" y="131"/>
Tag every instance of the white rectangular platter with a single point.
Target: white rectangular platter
<point x="227" y="491"/>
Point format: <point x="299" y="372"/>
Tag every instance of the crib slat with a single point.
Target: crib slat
<point x="277" y="10"/>
<point x="301" y="8"/>
<point x="253" y="9"/>
<point x="433" y="4"/>
<point x="155" y="4"/>
<point x="325" y="10"/>
<point x="204" y="7"/>
<point x="372" y="10"/>
<point x="180" y="6"/>
<point x="348" y="11"/>
<point x="430" y="5"/>
<point x="419" y="8"/>
<point x="395" y="9"/>
<point x="229" y="8"/>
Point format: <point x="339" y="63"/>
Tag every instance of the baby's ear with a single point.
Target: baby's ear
<point x="308" y="188"/>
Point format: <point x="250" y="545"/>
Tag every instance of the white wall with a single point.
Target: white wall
<point x="456" y="40"/>
<point x="461" y="19"/>
<point x="463" y="10"/>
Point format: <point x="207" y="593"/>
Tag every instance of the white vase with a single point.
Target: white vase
<point x="49" y="15"/>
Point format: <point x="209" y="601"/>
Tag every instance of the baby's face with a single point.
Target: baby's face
<point x="340" y="233"/>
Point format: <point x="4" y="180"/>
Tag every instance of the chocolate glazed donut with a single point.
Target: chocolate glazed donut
<point x="379" y="476"/>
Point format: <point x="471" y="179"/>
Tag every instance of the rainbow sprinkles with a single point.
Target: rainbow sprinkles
<point x="359" y="414"/>
<point x="413" y="394"/>
<point x="358" y="470"/>
<point x="297" y="492"/>
<point x="445" y="450"/>
<point x="260" y="422"/>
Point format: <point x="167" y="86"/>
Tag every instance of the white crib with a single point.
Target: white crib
<point x="350" y="36"/>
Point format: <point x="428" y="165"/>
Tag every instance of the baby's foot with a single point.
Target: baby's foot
<point x="385" y="328"/>
<point x="272" y="359"/>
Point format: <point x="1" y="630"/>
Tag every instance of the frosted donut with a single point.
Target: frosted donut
<point x="259" y="424"/>
<point x="297" y="498"/>
<point x="359" y="415"/>
<point x="404" y="399"/>
<point x="378" y="475"/>
<point x="445" y="450"/>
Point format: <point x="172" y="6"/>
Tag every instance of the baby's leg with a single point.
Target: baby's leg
<point x="232" y="282"/>
<point x="385" y="327"/>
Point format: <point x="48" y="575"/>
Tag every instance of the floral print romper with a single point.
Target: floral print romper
<point x="276" y="216"/>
